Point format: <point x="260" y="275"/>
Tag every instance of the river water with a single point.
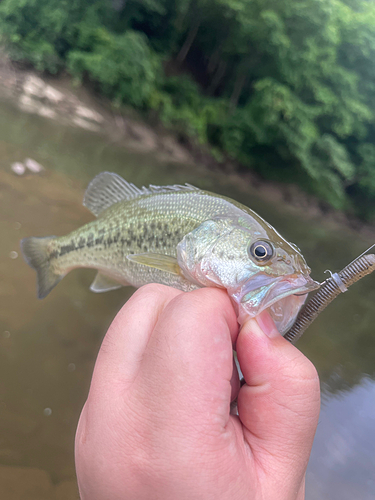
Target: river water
<point x="48" y="348"/>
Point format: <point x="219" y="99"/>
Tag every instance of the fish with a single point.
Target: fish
<point x="180" y="236"/>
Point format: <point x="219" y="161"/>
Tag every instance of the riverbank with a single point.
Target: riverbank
<point x="57" y="98"/>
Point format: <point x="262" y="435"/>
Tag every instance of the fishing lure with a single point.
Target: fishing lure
<point x="330" y="289"/>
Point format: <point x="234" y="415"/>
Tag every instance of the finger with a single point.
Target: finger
<point x="188" y="359"/>
<point x="279" y="404"/>
<point x="187" y="335"/>
<point x="235" y="382"/>
<point x="126" y="339"/>
<point x="116" y="367"/>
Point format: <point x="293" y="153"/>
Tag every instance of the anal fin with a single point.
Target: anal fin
<point x="103" y="283"/>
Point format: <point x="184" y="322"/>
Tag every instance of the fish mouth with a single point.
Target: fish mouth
<point x="283" y="297"/>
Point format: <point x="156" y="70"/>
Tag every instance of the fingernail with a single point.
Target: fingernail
<point x="267" y="325"/>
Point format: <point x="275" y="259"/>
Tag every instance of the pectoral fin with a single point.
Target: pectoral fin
<point x="158" y="261"/>
<point x="103" y="283"/>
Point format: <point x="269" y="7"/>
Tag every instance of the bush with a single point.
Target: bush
<point x="180" y="103"/>
<point x="42" y="32"/>
<point x="124" y="66"/>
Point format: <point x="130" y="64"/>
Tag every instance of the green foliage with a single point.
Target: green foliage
<point x="287" y="87"/>
<point x="43" y="31"/>
<point x="123" y="66"/>
<point x="180" y="104"/>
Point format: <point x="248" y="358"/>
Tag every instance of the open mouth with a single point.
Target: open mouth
<point x="284" y="312"/>
<point x="283" y="297"/>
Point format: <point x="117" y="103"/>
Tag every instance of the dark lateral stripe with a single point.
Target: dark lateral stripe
<point x="90" y="242"/>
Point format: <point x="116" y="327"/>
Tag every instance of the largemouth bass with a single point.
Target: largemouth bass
<point x="179" y="236"/>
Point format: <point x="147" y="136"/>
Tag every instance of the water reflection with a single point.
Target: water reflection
<point x="48" y="348"/>
<point x="342" y="464"/>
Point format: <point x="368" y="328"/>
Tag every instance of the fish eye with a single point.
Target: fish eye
<point x="261" y="251"/>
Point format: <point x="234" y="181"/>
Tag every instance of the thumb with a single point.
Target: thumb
<point x="279" y="404"/>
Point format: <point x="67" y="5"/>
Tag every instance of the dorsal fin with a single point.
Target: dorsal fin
<point x="108" y="188"/>
<point x="169" y="189"/>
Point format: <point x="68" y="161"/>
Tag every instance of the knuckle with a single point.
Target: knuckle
<point x="303" y="369"/>
<point x="208" y="306"/>
<point x="209" y="301"/>
<point x="302" y="378"/>
<point x="152" y="293"/>
<point x="154" y="289"/>
<point x="309" y="373"/>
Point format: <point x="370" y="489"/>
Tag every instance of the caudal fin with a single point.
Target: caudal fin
<point x="35" y="252"/>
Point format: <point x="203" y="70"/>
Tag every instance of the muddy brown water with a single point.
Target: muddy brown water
<point x="48" y="348"/>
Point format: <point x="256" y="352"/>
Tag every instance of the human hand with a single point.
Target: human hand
<point x="156" y="424"/>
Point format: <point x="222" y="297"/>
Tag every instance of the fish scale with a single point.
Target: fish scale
<point x="151" y="223"/>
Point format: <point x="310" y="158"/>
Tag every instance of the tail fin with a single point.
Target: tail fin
<point x="35" y="252"/>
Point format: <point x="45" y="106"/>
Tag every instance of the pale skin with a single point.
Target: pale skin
<point x="156" y="424"/>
